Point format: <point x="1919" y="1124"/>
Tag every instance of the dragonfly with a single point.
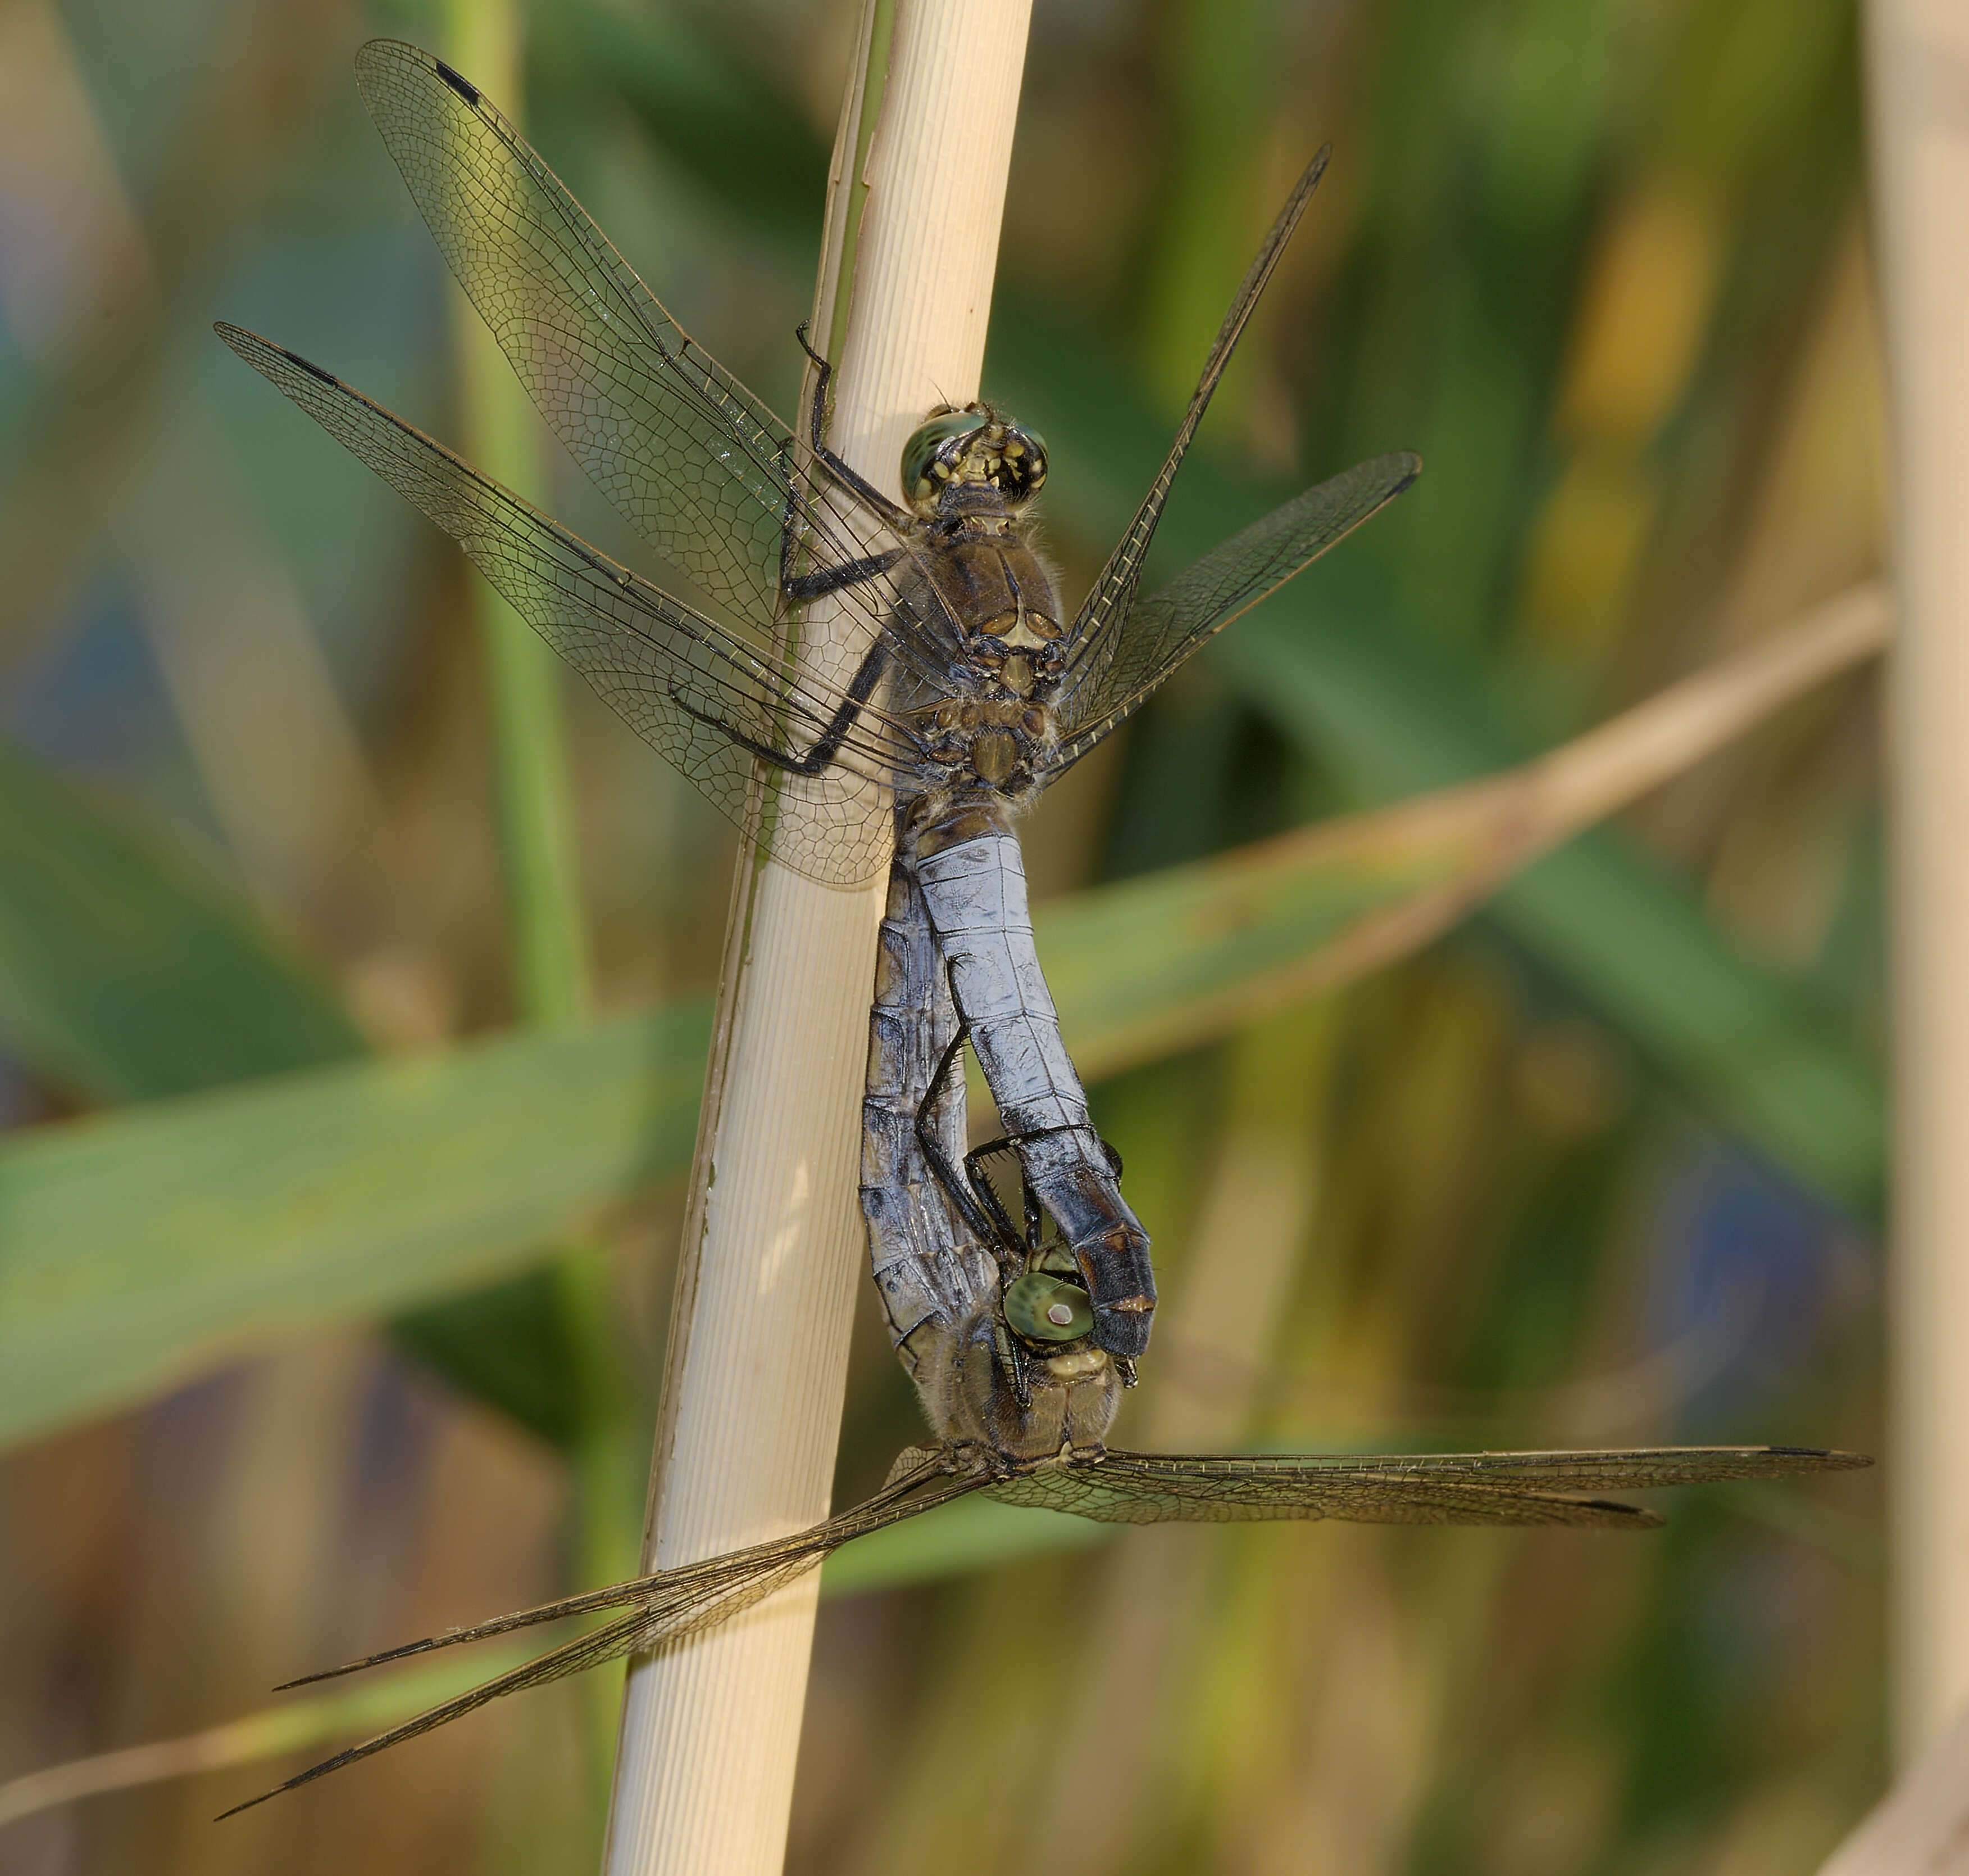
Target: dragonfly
<point x="1016" y="1280"/>
<point x="986" y="1313"/>
<point x="951" y="687"/>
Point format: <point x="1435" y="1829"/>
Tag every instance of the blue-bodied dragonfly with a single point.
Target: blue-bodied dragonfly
<point x="1015" y="1279"/>
<point x="960" y="689"/>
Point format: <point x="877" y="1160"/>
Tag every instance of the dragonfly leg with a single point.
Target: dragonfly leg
<point x="826" y="745"/>
<point x="977" y="1204"/>
<point x="979" y="1182"/>
<point x="832" y="579"/>
<point x="1108" y="1149"/>
<point x="823" y="380"/>
<point x="1011" y="1357"/>
<point x="817" y="434"/>
<point x="849" y="572"/>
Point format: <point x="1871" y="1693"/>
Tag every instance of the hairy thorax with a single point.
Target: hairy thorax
<point x="995" y="735"/>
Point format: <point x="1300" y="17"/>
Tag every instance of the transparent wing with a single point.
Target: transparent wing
<point x="661" y="1609"/>
<point x="1442" y="1488"/>
<point x="1093" y="640"/>
<point x="1100" y="692"/>
<point x="1621" y="1469"/>
<point x="692" y="458"/>
<point x="682" y="680"/>
<point x="1151" y="1489"/>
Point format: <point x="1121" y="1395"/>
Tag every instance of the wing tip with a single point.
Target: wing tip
<point x="382" y="50"/>
<point x="247" y="1804"/>
<point x="375" y="53"/>
<point x="346" y="1756"/>
<point x="1821" y="1459"/>
<point x="319" y="1674"/>
<point x="459" y="82"/>
<point x="1629" y="1517"/>
<point x="1403" y="465"/>
<point x="247" y="343"/>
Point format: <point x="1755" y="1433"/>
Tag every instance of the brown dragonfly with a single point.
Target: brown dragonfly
<point x="996" y="1332"/>
<point x="1114" y="1487"/>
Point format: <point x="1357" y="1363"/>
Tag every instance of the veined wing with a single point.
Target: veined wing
<point x="664" y="667"/>
<point x="1093" y="639"/>
<point x="692" y="458"/>
<point x="1100" y="693"/>
<point x="661" y="1609"/>
<point x="1404" y="1489"/>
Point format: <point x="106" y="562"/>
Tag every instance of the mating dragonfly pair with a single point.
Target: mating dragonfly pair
<point x="948" y="693"/>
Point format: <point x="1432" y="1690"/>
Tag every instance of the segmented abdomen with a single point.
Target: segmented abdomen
<point x="929" y="1271"/>
<point x="972" y="878"/>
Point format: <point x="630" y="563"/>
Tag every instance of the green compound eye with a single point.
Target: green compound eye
<point x="1048" y="1309"/>
<point x="927" y="443"/>
<point x="1025" y="462"/>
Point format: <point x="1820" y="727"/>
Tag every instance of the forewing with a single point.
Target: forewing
<point x="1156" y="1488"/>
<point x="1092" y="641"/>
<point x="662" y="1609"/>
<point x="1629" y="1468"/>
<point x="1100" y="692"/>
<point x="631" y="1634"/>
<point x="1399" y="1489"/>
<point x="919" y="1481"/>
<point x="692" y="458"/>
<point x="662" y="665"/>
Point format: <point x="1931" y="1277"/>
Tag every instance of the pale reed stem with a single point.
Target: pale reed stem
<point x="1918" y="51"/>
<point x="772" y="1250"/>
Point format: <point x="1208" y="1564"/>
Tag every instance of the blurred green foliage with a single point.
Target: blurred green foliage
<point x="1600" y="1167"/>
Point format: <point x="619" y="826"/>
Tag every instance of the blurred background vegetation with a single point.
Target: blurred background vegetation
<point x="1602" y="1166"/>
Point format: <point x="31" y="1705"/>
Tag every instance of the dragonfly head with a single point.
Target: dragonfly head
<point x="1047" y="1308"/>
<point x="959" y="453"/>
<point x="1024" y="1377"/>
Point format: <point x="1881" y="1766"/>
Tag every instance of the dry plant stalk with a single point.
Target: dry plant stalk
<point x="1922" y="1827"/>
<point x="772" y="1248"/>
<point x="1914" y="49"/>
<point x="1474" y="836"/>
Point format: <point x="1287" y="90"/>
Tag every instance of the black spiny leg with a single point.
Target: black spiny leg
<point x="991" y="1226"/>
<point x="1108" y="1151"/>
<point x="828" y="580"/>
<point x="817" y="434"/>
<point x="1012" y="1358"/>
<point x="827" y="745"/>
<point x="801" y="587"/>
<point x="849" y="572"/>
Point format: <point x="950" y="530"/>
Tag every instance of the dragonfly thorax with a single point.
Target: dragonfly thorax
<point x="992" y="742"/>
<point x="999" y="593"/>
<point x="997" y="731"/>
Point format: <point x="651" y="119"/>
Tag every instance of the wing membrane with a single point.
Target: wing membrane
<point x="1147" y="1492"/>
<point x="691" y="458"/>
<point x="1093" y="640"/>
<point x="1176" y="621"/>
<point x="1628" y="1468"/>
<point x="1508" y="1488"/>
<point x="1437" y="1488"/>
<point x="661" y="1610"/>
<point x="662" y="665"/>
<point x="631" y="1634"/>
